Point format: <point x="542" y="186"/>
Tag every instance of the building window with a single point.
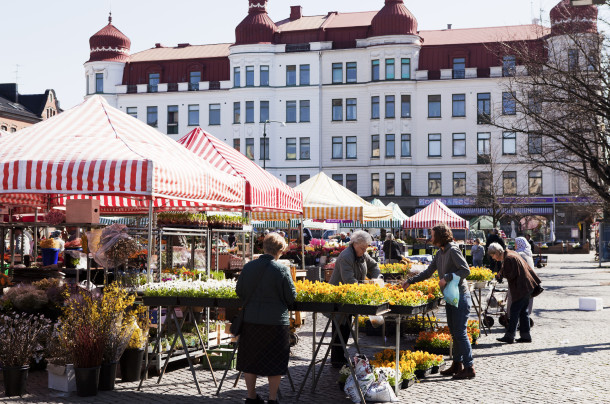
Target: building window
<point x="350" y="147"/>
<point x="534" y="143"/>
<point x="338" y="178"/>
<point x="390" y="184"/>
<point x="236" y="112"/>
<point x="375" y="146"/>
<point x="250" y="148"/>
<point x="303" y="178"/>
<point x="483" y="144"/>
<point x="573" y="185"/>
<point x="131" y="111"/>
<point x="405" y="106"/>
<point x="236" y="77"/>
<point x="573" y="59"/>
<point x="459" y="68"/>
<point x="264" y="151"/>
<point x="459" y="144"/>
<point x="87" y="79"/>
<point x="434" y="145"/>
<point x="375" y="107"/>
<point x="249" y="111"/>
<point x="172" y="119"/>
<point x="193" y="115"/>
<point x="264" y="76"/>
<point x="337" y="147"/>
<point x="291" y="75"/>
<point x="291" y="180"/>
<point x="337" y="110"/>
<point x="389" y="69"/>
<point x="434" y="184"/>
<point x="351" y="72"/>
<point x="304" y="115"/>
<point x="509" y="183"/>
<point x="351" y="182"/>
<point x="405" y="184"/>
<point x="483" y="108"/>
<point x="459" y="184"/>
<point x="153" y="82"/>
<point x="337" y="73"/>
<point x="509" y="66"/>
<point x="405" y="145"/>
<point x="390" y="146"/>
<point x="434" y="106"/>
<point x="509" y="103"/>
<point x="351" y="109"/>
<point x="214" y="115"/>
<point x="375" y="70"/>
<point x="152" y="116"/>
<point x="291" y="148"/>
<point x="459" y="105"/>
<point x="390" y="108"/>
<point x="291" y="111"/>
<point x="194" y="79"/>
<point x="304" y="75"/>
<point x="375" y="184"/>
<point x="509" y="143"/>
<point x="249" y="76"/>
<point x="237" y="144"/>
<point x="99" y="83"/>
<point x="535" y="183"/>
<point x="305" y="148"/>
<point x="405" y="69"/>
<point x="484" y="183"/>
<point x="264" y="112"/>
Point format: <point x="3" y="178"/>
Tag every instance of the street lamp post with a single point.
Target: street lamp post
<point x="265" y="140"/>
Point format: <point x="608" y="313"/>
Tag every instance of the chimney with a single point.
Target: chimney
<point x="9" y="91"/>
<point x="449" y="26"/>
<point x="183" y="45"/>
<point x="296" y="12"/>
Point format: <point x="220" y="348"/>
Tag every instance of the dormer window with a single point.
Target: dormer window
<point x="153" y="82"/>
<point x="459" y="68"/>
<point x="99" y="83"/>
<point x="509" y="64"/>
<point x="194" y="79"/>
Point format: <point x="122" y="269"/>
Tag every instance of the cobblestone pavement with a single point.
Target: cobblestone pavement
<point x="568" y="361"/>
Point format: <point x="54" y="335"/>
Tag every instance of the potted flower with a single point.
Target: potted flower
<point x="60" y="368"/>
<point x="131" y="360"/>
<point x="50" y="251"/>
<point x="21" y="336"/>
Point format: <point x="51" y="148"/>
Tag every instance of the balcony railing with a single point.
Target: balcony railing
<point x="132" y="89"/>
<point x="193" y="86"/>
<point x="153" y="88"/>
<point x="214" y="85"/>
<point x="172" y="86"/>
<point x="459" y="74"/>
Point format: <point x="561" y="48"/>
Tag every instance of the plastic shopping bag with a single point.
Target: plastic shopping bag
<point x="381" y="391"/>
<point x="451" y="293"/>
<point x="364" y="377"/>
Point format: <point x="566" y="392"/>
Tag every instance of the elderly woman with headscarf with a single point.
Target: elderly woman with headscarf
<point x="352" y="266"/>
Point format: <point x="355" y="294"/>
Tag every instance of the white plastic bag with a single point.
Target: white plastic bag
<point x="381" y="391"/>
<point x="364" y="378"/>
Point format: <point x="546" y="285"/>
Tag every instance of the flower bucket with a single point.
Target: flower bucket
<point x="131" y="364"/>
<point x="15" y="380"/>
<point x="62" y="378"/>
<point x="107" y="376"/>
<point x="87" y="380"/>
<point x="49" y="256"/>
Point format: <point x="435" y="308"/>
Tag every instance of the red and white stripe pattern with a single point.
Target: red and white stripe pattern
<point x="264" y="192"/>
<point x="434" y="214"/>
<point x="95" y="149"/>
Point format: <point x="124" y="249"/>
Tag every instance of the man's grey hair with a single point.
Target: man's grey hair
<point x="390" y="236"/>
<point x="495" y="248"/>
<point x="361" y="237"/>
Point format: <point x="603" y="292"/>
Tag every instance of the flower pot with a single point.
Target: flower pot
<point x="87" y="380"/>
<point x="107" y="376"/>
<point x="15" y="380"/>
<point x="49" y="256"/>
<point x="406" y="383"/>
<point x="341" y="386"/>
<point x="421" y="374"/>
<point x="68" y="260"/>
<point x="131" y="364"/>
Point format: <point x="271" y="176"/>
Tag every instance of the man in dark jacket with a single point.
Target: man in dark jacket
<point x="521" y="282"/>
<point x="494" y="237"/>
<point x="391" y="250"/>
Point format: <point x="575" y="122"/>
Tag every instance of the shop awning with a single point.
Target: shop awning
<point x="511" y="211"/>
<point x="434" y="214"/>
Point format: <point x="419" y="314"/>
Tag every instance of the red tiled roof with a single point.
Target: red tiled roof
<point x="302" y="24"/>
<point x="188" y="52"/>
<point x="483" y="35"/>
<point x="345" y="20"/>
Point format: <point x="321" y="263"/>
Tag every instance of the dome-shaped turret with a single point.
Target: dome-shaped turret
<point x="109" y="44"/>
<point x="257" y="27"/>
<point x="394" y="19"/>
<point x="568" y="19"/>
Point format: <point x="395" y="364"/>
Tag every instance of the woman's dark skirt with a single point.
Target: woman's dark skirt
<point x="264" y="350"/>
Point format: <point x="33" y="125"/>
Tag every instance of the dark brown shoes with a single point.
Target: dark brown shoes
<point x="455" y="368"/>
<point x="466" y="373"/>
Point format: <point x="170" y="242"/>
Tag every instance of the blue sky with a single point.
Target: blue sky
<point x="49" y="40"/>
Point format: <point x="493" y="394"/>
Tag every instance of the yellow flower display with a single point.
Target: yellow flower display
<point x="395" y="268"/>
<point x="480" y="274"/>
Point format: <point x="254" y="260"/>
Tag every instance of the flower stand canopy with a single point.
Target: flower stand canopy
<point x="434" y="214"/>
<point x="95" y="150"/>
<point x="264" y="192"/>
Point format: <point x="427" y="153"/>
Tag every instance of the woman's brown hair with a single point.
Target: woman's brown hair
<point x="442" y="234"/>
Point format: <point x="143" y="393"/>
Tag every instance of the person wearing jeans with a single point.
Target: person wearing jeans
<point x="450" y="262"/>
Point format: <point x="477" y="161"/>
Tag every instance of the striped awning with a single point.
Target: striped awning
<point x="511" y="211"/>
<point x="434" y="214"/>
<point x="95" y="150"/>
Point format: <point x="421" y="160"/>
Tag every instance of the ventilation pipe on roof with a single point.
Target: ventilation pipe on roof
<point x="296" y="12"/>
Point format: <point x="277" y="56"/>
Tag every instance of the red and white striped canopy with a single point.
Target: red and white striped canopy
<point x="434" y="214"/>
<point x="95" y="150"/>
<point x="264" y="192"/>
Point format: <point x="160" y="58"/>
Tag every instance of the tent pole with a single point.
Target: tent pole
<point x="150" y="243"/>
<point x="302" y="244"/>
<point x="35" y="234"/>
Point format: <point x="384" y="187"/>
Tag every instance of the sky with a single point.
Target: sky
<point x="44" y="44"/>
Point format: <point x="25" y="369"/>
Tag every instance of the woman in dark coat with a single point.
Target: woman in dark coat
<point x="391" y="249"/>
<point x="264" y="343"/>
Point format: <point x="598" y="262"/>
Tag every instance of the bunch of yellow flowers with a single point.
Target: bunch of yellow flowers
<point x="480" y="274"/>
